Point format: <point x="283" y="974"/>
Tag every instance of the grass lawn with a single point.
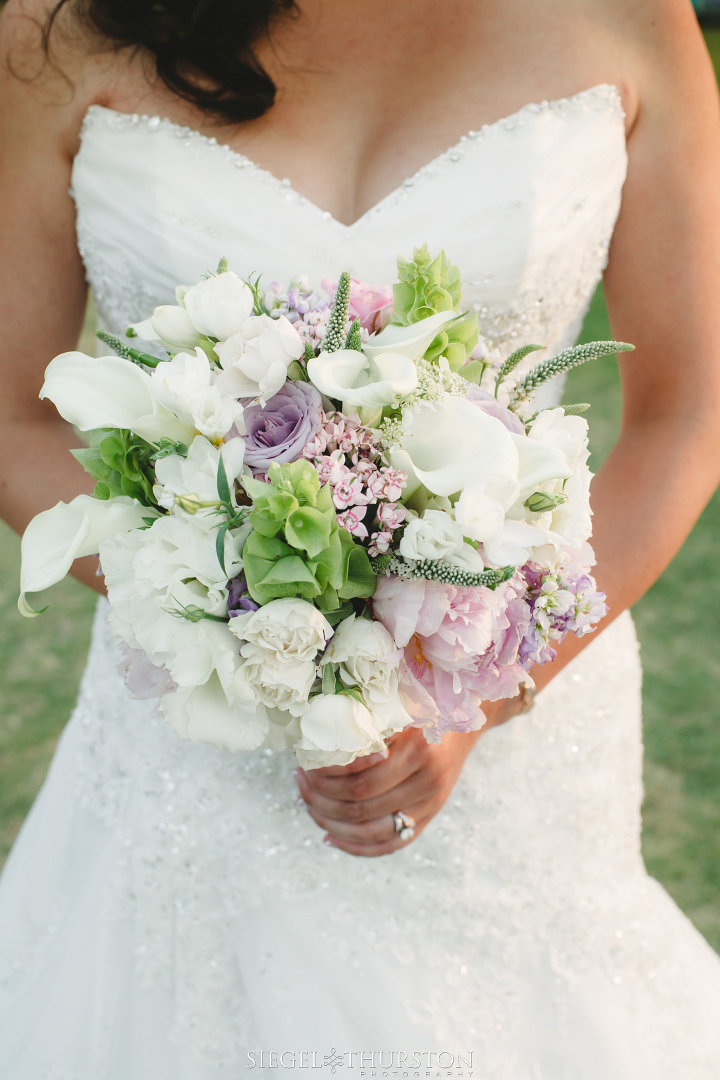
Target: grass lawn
<point x="678" y="622"/>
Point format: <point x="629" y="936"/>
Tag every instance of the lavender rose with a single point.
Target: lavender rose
<point x="279" y="431"/>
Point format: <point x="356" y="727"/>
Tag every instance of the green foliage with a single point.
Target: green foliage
<point x="426" y="286"/>
<point x="142" y="359"/>
<point x="296" y="547"/>
<point x="337" y="322"/>
<point x="122" y="464"/>
<point x="512" y="362"/>
<point x="455" y="341"/>
<point x="564" y="361"/>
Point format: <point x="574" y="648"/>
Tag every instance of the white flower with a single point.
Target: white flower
<point x="172" y="325"/>
<point x="411" y="341"/>
<point x="282" y="684"/>
<point x="288" y="629"/>
<point x="446" y="446"/>
<point x="218" y="306"/>
<point x="368" y="658"/>
<point x="196" y="474"/>
<point x="184" y="386"/>
<point x="359" y="381"/>
<point x="109" y="392"/>
<point x="69" y="531"/>
<point x="209" y="714"/>
<point x="154" y="574"/>
<point x="256" y="358"/>
<point x="336" y="728"/>
<point x="571" y="520"/>
<point x="436" y="535"/>
<point x="481" y="512"/>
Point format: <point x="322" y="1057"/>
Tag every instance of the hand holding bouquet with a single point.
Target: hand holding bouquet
<point x="324" y="518"/>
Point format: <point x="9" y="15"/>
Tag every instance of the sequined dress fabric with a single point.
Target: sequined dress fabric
<point x="169" y="908"/>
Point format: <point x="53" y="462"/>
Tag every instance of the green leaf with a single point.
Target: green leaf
<point x="328" y="679"/>
<point x="102" y="491"/>
<point x="220" y="545"/>
<point x="308" y="529"/>
<point x="112" y="450"/>
<point x="92" y="462"/>
<point x="360" y="579"/>
<point x="222" y="482"/>
<point x="338" y="614"/>
<point x="473" y="371"/>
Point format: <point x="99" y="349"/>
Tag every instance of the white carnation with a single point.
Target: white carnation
<point x="336" y="728"/>
<point x="282" y="684"/>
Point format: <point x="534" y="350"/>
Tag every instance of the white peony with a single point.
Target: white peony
<point x="218" y="306"/>
<point x="230" y="719"/>
<point x="367" y="657"/>
<point x="184" y="386"/>
<point x="361" y="382"/>
<point x="336" y="728"/>
<point x="282" y="684"/>
<point x="153" y="575"/>
<point x="436" y="535"/>
<point x="69" y="531"/>
<point x="256" y="358"/>
<point x="196" y="475"/>
<point x="288" y="629"/>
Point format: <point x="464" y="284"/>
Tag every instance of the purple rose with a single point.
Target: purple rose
<point x="279" y="431"/>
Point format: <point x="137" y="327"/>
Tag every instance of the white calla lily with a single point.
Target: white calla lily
<point x="109" y="392"/>
<point x="359" y="381"/>
<point x="411" y="341"/>
<point x="463" y="444"/>
<point x="69" y="531"/>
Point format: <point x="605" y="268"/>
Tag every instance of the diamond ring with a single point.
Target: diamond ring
<point x="404" y="825"/>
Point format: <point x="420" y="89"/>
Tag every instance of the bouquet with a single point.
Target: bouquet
<point x="322" y="517"/>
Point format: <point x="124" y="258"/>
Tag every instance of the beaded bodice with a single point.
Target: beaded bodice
<point x="525" y="206"/>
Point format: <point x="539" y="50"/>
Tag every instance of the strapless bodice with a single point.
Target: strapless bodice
<point x="525" y="206"/>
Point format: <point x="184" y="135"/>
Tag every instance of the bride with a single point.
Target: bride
<point x="172" y="912"/>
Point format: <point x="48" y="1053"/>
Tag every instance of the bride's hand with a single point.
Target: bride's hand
<point x="355" y="803"/>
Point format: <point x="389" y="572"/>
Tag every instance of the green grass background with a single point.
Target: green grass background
<point x="678" y="622"/>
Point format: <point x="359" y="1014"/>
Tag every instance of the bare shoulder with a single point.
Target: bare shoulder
<point x="47" y="81"/>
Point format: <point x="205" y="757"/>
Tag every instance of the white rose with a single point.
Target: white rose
<point x="255" y="360"/>
<point x="287" y="629"/>
<point x="361" y="382"/>
<point x="218" y="306"/>
<point x="184" y="386"/>
<point x="196" y="474"/>
<point x="368" y="658"/>
<point x="336" y="729"/>
<point x="436" y="535"/>
<point x="153" y="573"/>
<point x="282" y="684"/>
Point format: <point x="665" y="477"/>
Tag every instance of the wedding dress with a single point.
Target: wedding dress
<point x="169" y="911"/>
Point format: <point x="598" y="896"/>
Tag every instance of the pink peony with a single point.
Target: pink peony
<point x="461" y="646"/>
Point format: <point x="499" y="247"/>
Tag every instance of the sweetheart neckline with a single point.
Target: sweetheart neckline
<point x="157" y="123"/>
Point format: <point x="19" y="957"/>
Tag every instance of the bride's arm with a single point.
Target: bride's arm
<point x="663" y="292"/>
<point x="42" y="281"/>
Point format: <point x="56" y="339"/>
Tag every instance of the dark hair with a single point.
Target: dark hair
<point x="202" y="49"/>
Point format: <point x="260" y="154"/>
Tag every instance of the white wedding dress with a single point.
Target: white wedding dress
<point x="169" y="909"/>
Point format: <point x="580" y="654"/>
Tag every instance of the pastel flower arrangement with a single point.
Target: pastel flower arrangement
<point x="323" y="517"/>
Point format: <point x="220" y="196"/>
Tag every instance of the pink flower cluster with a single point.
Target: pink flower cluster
<point x="461" y="647"/>
<point x="347" y="456"/>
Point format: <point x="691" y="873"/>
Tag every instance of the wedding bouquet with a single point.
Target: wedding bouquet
<point x="323" y="517"/>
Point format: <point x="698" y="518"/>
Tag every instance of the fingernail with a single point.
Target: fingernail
<point x="382" y="755"/>
<point x="329" y="841"/>
<point x="301" y="802"/>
